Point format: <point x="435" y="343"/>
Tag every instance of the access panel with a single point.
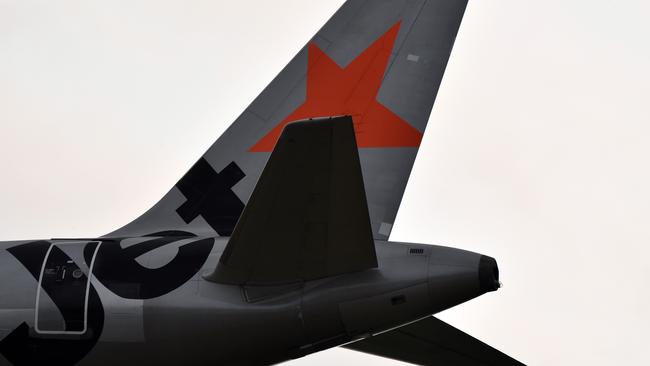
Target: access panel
<point x="64" y="285"/>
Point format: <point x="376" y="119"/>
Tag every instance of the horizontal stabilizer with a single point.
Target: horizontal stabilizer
<point x="307" y="217"/>
<point x="431" y="341"/>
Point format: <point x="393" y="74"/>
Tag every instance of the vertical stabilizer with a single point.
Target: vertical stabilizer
<point x="379" y="61"/>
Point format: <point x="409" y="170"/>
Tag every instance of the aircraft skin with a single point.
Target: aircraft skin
<point x="205" y="323"/>
<point x="274" y="245"/>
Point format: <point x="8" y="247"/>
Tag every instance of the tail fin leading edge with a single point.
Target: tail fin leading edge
<point x="380" y="62"/>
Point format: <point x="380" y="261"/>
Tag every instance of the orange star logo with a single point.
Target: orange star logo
<point x="352" y="90"/>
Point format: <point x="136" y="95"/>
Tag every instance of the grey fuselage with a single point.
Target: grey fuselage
<point x="148" y="302"/>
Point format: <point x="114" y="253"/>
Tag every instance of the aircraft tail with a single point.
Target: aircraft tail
<point x="380" y="62"/>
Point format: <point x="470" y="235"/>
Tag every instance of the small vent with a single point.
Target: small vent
<point x="416" y="251"/>
<point x="397" y="300"/>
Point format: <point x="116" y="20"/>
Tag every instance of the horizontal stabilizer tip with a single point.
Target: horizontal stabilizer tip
<point x="307" y="217"/>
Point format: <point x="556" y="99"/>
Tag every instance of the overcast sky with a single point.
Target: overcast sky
<point x="536" y="152"/>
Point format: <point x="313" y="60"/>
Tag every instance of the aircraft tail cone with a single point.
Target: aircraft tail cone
<point x="488" y="274"/>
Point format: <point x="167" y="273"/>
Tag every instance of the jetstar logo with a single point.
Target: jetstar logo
<point x="351" y="90"/>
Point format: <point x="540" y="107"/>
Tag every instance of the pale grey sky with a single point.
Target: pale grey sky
<point x="536" y="153"/>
